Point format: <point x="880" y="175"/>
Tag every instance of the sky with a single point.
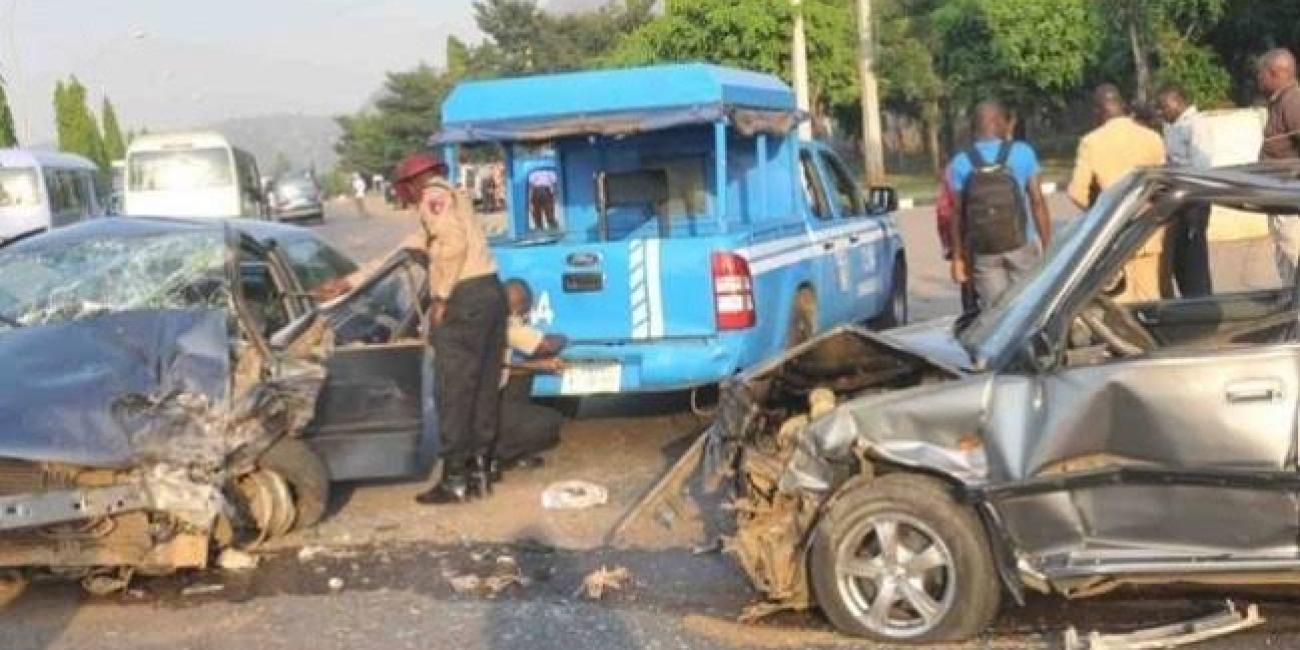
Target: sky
<point x="170" y="64"/>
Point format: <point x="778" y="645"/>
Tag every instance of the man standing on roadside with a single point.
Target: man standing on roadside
<point x="996" y="186"/>
<point x="1276" y="75"/>
<point x="1189" y="251"/>
<point x="1116" y="147"/>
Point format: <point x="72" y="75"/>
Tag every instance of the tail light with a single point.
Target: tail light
<point x="733" y="292"/>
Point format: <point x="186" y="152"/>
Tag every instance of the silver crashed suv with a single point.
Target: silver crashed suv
<point x="1067" y="441"/>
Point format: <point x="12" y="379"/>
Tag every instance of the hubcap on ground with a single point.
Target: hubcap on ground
<point x="895" y="575"/>
<point x="269" y="502"/>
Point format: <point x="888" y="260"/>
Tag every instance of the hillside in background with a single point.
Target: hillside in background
<point x="302" y="140"/>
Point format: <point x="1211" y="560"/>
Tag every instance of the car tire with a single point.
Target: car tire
<point x="940" y="562"/>
<point x="308" y="478"/>
<point x="896" y="309"/>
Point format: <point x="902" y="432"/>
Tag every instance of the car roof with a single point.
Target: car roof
<point x="262" y="231"/>
<point x="183" y="139"/>
<point x="40" y="158"/>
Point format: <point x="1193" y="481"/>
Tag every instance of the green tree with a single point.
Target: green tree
<point x="114" y="143"/>
<point x="8" y="135"/>
<point x="406" y="113"/>
<point x="1163" y="41"/>
<point x="755" y="35"/>
<point x="78" y="130"/>
<point x="523" y="39"/>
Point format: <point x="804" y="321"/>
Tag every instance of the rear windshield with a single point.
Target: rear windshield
<point x="18" y="188"/>
<point x="190" y="169"/>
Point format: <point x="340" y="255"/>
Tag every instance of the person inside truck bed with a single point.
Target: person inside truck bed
<point x="527" y="428"/>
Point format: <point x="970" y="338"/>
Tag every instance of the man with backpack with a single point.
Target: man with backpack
<point x="996" y="185"/>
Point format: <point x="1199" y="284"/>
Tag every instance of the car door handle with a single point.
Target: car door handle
<point x="828" y="246"/>
<point x="1248" y="391"/>
<point x="1148" y="318"/>
<point x="853" y="239"/>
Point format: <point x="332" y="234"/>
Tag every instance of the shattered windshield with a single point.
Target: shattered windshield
<point x="80" y="279"/>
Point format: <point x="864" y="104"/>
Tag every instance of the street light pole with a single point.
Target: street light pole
<point x="799" y="54"/>
<point x="872" y="143"/>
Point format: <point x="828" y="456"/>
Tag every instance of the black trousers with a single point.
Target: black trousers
<point x="527" y="428"/>
<point x="468" y="348"/>
<point x="542" y="206"/>
<point x="1190" y="251"/>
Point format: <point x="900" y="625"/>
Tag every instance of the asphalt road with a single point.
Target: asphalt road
<point x="381" y="573"/>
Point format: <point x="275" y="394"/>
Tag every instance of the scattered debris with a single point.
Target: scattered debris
<point x="336" y="584"/>
<point x="1221" y="623"/>
<point x="201" y="589"/>
<point x="602" y="579"/>
<point x="311" y="552"/>
<point x="236" y="560"/>
<point x="710" y="548"/>
<point x="574" y="495"/>
<point x="464" y="583"/>
<point x="505" y="573"/>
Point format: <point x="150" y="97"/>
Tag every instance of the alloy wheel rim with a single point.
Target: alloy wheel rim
<point x="895" y="575"/>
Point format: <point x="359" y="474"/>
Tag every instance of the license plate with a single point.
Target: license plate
<point x="591" y="378"/>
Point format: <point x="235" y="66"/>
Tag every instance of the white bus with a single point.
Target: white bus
<point x="191" y="175"/>
<point x="40" y="190"/>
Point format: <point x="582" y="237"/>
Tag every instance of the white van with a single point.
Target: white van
<point x="191" y="175"/>
<point x="40" y="190"/>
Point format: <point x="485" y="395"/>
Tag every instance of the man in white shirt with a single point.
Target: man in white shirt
<point x="1186" y="238"/>
<point x="527" y="428"/>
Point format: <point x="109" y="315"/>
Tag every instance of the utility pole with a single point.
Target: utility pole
<point x="872" y="142"/>
<point x="799" y="54"/>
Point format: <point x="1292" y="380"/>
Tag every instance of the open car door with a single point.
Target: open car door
<point x="374" y="416"/>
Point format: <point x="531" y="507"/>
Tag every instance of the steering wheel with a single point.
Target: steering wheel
<point x="1118" y="330"/>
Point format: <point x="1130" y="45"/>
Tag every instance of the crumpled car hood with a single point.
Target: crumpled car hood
<point x="73" y="392"/>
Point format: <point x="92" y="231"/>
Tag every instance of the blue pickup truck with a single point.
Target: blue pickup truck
<point x="697" y="234"/>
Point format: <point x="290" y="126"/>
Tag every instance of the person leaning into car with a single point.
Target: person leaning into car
<point x="467" y="328"/>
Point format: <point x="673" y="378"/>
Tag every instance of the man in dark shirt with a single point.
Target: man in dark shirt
<point x="1276" y="75"/>
<point x="1277" y="78"/>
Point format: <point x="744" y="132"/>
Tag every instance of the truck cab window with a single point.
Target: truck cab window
<point x="847" y="196"/>
<point x="812" y="187"/>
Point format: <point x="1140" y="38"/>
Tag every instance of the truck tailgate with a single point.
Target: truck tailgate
<point x="632" y="290"/>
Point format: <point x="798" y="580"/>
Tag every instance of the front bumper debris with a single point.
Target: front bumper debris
<point x="1216" y="625"/>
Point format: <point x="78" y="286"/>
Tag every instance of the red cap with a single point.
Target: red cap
<point x="411" y="169"/>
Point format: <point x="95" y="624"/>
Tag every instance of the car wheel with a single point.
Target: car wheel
<point x="306" y="474"/>
<point x="899" y="561"/>
<point x="895" y="313"/>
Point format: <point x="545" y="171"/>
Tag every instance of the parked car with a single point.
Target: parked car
<point x="169" y="389"/>
<point x="40" y="190"/>
<point x="1064" y="442"/>
<point x="692" y="218"/>
<point x="294" y="197"/>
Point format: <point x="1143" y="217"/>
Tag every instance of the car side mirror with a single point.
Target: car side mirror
<point x="882" y="200"/>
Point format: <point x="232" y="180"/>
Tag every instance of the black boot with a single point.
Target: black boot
<point x="453" y="488"/>
<point x="481" y="476"/>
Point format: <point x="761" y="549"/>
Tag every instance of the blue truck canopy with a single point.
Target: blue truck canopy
<point x="615" y="102"/>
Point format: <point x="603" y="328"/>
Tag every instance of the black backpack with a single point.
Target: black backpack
<point x="993" y="206"/>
